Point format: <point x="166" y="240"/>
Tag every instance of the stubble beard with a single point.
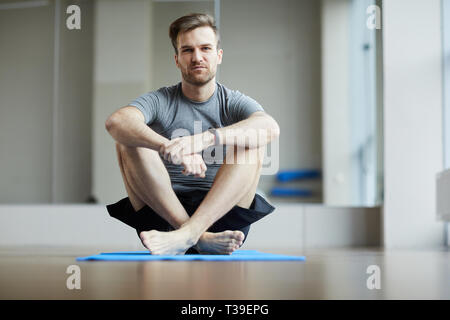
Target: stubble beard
<point x="196" y="81"/>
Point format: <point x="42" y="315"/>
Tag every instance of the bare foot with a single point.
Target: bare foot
<point x="167" y="243"/>
<point x="225" y="242"/>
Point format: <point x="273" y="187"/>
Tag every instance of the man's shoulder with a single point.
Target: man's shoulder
<point x="231" y="94"/>
<point x="168" y="91"/>
<point x="163" y="95"/>
<point x="226" y="92"/>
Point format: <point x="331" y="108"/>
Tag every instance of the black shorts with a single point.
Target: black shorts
<point x="146" y="219"/>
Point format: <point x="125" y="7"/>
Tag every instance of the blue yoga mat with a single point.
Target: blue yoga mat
<point x="238" y="255"/>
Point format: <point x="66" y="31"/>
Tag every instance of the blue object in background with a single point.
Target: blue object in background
<point x="290" y="192"/>
<point x="290" y="175"/>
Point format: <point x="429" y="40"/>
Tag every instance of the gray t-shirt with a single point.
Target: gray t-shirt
<point x="169" y="113"/>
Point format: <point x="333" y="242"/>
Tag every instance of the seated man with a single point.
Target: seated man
<point x="180" y="152"/>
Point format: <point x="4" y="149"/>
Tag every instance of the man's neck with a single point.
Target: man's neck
<point x="198" y="93"/>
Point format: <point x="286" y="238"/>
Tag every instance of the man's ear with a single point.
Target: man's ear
<point x="176" y="60"/>
<point x="220" y="54"/>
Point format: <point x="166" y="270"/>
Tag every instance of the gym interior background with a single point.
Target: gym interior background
<point x="360" y="89"/>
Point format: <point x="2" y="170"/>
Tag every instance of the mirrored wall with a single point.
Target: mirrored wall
<point x="313" y="65"/>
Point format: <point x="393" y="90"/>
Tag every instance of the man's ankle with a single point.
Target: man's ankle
<point x="194" y="234"/>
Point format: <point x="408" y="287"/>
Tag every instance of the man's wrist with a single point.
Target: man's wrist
<point x="162" y="144"/>
<point x="208" y="138"/>
<point x="220" y="135"/>
<point x="213" y="137"/>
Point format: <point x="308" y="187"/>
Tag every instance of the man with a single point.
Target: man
<point x="178" y="203"/>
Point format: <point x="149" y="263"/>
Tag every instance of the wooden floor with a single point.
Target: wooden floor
<point x="40" y="273"/>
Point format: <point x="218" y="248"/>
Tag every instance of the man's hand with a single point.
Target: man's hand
<point x="193" y="164"/>
<point x="175" y="149"/>
<point x="174" y="152"/>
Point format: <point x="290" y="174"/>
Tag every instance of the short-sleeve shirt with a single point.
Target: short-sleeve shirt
<point x="171" y="114"/>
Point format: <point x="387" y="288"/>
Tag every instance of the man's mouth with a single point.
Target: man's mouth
<point x="198" y="67"/>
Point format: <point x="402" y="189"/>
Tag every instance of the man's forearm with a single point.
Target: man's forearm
<point x="129" y="129"/>
<point x="253" y="132"/>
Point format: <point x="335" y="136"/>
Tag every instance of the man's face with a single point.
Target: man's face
<point x="198" y="56"/>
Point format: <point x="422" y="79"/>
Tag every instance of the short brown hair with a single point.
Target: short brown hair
<point x="190" y="22"/>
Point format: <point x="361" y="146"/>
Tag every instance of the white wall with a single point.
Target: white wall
<point x="77" y="225"/>
<point x="290" y="227"/>
<point x="413" y="152"/>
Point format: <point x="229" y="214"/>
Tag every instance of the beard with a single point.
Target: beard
<point x="199" y="79"/>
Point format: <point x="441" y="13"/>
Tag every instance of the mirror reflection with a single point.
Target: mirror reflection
<point x="312" y="65"/>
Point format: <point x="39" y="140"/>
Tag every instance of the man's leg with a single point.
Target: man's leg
<point x="147" y="182"/>
<point x="235" y="184"/>
<point x="248" y="197"/>
<point x="245" y="201"/>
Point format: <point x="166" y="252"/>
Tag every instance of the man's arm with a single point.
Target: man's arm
<point x="127" y="126"/>
<point x="257" y="130"/>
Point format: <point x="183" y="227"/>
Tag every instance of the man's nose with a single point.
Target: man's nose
<point x="196" y="56"/>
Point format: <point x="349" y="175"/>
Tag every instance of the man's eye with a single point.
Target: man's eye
<point x="206" y="48"/>
<point x="187" y="50"/>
